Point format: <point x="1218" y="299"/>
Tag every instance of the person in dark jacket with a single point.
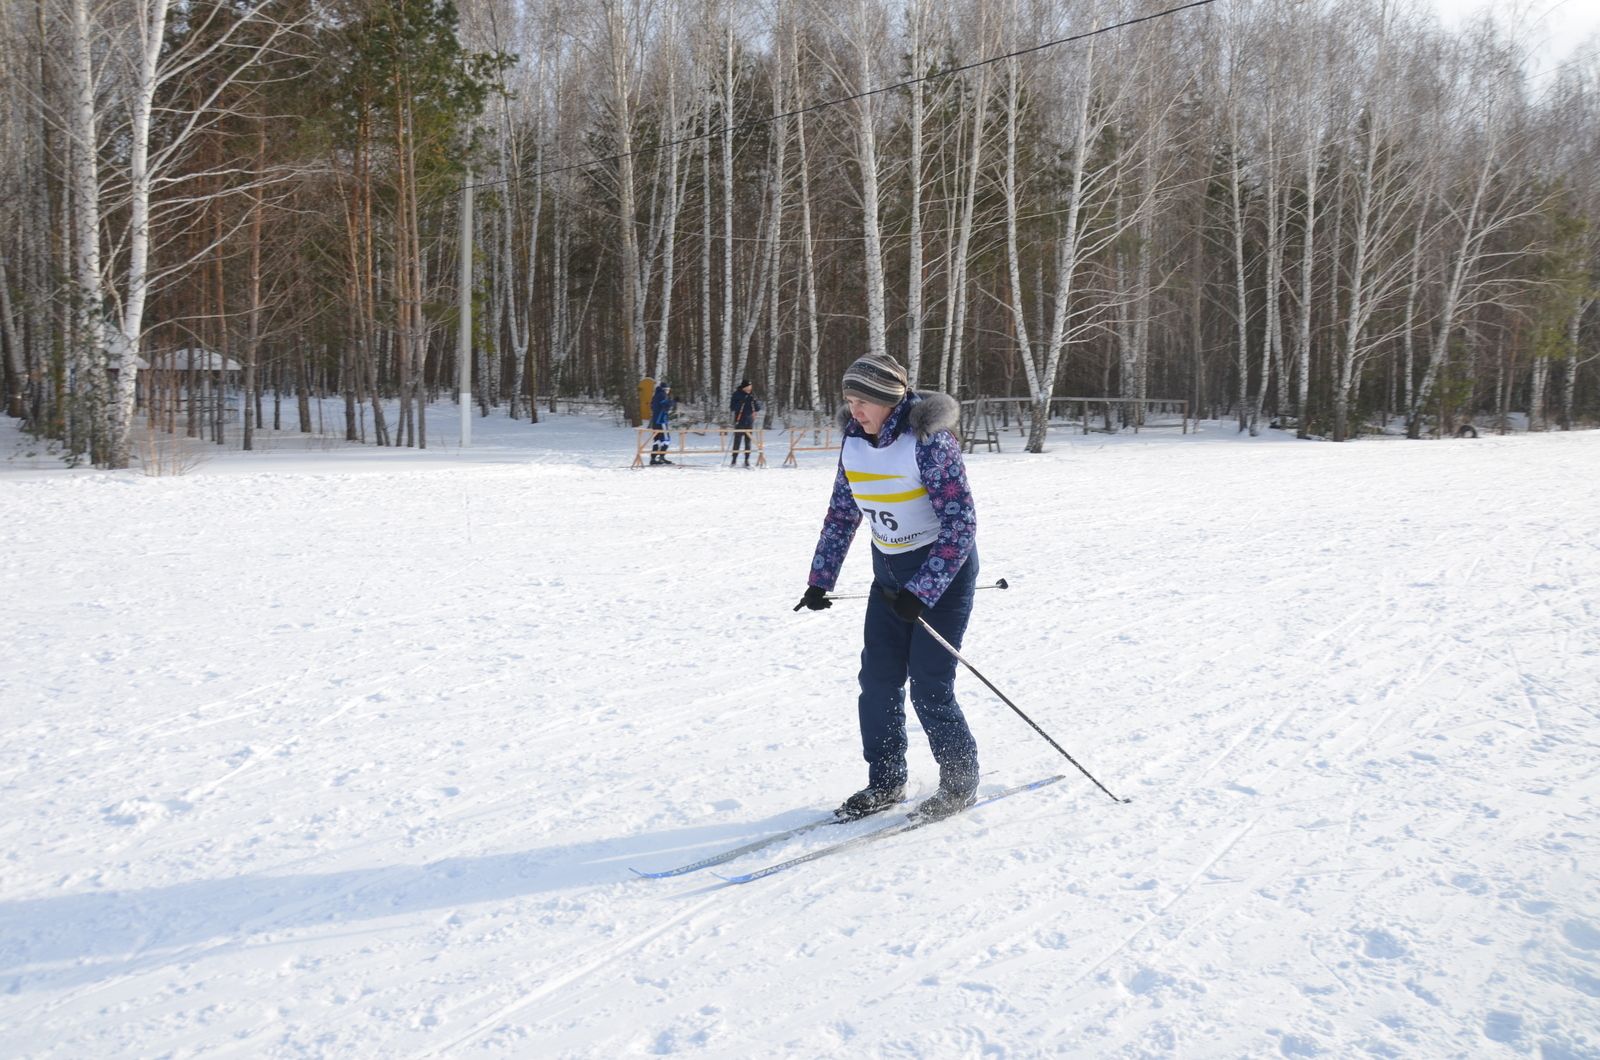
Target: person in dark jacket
<point x="900" y="471"/>
<point x="744" y="407"/>
<point x="661" y="406"/>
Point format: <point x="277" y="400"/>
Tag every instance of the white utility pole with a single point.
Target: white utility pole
<point x="464" y="339"/>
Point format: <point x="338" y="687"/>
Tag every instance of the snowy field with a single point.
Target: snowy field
<point x="322" y="752"/>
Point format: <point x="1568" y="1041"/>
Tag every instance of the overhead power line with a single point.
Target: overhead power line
<point x="729" y="130"/>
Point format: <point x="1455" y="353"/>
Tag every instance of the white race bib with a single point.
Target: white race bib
<point x="888" y="489"/>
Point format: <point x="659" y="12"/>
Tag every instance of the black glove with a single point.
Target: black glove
<point x="905" y="602"/>
<point x="816" y="598"/>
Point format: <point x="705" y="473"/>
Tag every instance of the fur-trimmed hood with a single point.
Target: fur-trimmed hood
<point x="927" y="413"/>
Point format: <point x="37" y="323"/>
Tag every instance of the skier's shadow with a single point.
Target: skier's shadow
<point x="76" y="939"/>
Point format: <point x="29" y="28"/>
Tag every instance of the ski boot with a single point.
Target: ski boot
<point x="943" y="803"/>
<point x="869" y="801"/>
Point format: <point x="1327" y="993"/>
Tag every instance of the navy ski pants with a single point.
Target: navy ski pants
<point x="896" y="650"/>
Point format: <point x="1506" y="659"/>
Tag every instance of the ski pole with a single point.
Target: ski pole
<point x="1000" y="584"/>
<point x="947" y="646"/>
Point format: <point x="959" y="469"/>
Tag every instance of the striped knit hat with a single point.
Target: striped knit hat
<point x="877" y="379"/>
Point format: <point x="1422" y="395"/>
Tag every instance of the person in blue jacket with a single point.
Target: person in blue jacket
<point x="744" y="407"/>
<point x="901" y="472"/>
<point x="661" y="406"/>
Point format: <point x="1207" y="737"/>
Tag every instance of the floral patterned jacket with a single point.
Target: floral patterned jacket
<point x="934" y="418"/>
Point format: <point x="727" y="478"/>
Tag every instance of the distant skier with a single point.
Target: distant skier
<point x="744" y="407"/>
<point x="661" y="406"/>
<point x="901" y="469"/>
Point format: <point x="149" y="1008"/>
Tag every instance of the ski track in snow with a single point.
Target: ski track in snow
<point x="349" y="753"/>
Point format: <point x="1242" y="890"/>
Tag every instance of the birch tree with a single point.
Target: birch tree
<point x="1381" y="186"/>
<point x="916" y="34"/>
<point x="808" y="266"/>
<point x="119" y="169"/>
<point x="973" y="124"/>
<point x="1082" y="223"/>
<point x="1483" y="196"/>
<point x="622" y="29"/>
<point x="1238" y="90"/>
<point x="854" y="61"/>
<point x="665" y="234"/>
<point x="1312" y="117"/>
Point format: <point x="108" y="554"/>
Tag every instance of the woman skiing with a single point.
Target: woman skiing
<point x="900" y="469"/>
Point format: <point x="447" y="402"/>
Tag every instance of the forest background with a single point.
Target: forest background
<point x="1328" y="215"/>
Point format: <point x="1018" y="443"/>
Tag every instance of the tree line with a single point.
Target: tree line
<point x="1313" y="214"/>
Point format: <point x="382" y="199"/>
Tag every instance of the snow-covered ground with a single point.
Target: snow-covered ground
<point x="322" y="751"/>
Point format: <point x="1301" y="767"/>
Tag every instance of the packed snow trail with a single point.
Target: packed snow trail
<point x="335" y="753"/>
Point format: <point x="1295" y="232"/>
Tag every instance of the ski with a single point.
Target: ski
<point x="742" y="850"/>
<point x="910" y="823"/>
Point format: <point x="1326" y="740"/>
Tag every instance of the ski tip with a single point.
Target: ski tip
<point x="745" y="878"/>
<point x="648" y="875"/>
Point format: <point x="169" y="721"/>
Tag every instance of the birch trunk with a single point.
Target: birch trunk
<point x="1280" y="348"/>
<point x="1307" y="269"/>
<point x="771" y="211"/>
<point x="523" y="311"/>
<point x="1359" y="307"/>
<point x="1270" y="334"/>
<point x="728" y="290"/>
<point x="770" y="268"/>
<point x="867" y="162"/>
<point x="1241" y="303"/>
<point x="126" y="339"/>
<point x="955" y="330"/>
<point x="707" y="234"/>
<point x="915" y="16"/>
<point x="622" y="116"/>
<point x="12" y="340"/>
<point x="1014" y="300"/>
<point x="1042" y="366"/>
<point x="251" y="353"/>
<point x="1538" y="387"/>
<point x="1134" y="303"/>
<point x="1408" y="334"/>
<point x="87" y="340"/>
<point x="560" y="297"/>
<point x="808" y="274"/>
<point x="519" y="310"/>
<point x="669" y="232"/>
<point x="1569" y="377"/>
<point x="1463" y="260"/>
